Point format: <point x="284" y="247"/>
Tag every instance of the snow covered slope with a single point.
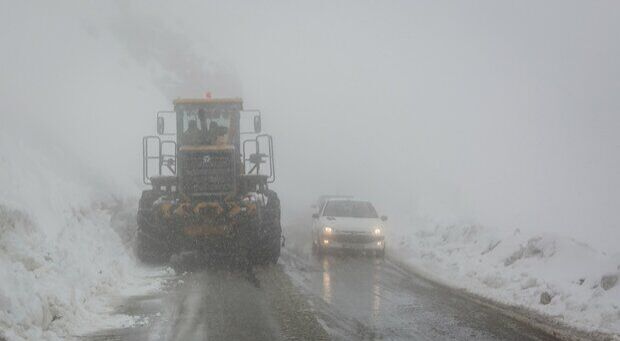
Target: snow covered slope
<point x="61" y="252"/>
<point x="560" y="277"/>
<point x="74" y="108"/>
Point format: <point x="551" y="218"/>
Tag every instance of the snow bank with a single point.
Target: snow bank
<point x="74" y="108"/>
<point x="556" y="276"/>
<point x="60" y="256"/>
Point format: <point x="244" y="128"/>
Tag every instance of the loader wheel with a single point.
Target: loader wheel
<point x="272" y="229"/>
<point x="249" y="249"/>
<point x="269" y="251"/>
<point x="148" y="198"/>
<point x="274" y="212"/>
<point x="274" y="253"/>
<point x="148" y="251"/>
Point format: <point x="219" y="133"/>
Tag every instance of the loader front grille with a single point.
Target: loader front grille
<point x="208" y="173"/>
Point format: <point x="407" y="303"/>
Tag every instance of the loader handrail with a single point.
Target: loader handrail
<point x="256" y="141"/>
<point x="167" y="160"/>
<point x="146" y="156"/>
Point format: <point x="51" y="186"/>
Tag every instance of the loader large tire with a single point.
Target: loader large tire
<point x="249" y="243"/>
<point x="148" y="248"/>
<point x="272" y="229"/>
<point x="149" y="251"/>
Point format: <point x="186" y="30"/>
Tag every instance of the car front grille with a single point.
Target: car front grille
<point x="360" y="238"/>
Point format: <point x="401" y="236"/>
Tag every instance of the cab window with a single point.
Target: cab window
<point x="203" y="127"/>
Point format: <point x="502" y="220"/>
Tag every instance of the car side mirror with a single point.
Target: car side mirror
<point x="315" y="215"/>
<point x="383" y="218"/>
<point x="160" y="125"/>
<point x="257" y="124"/>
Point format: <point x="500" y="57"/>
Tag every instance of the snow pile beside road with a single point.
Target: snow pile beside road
<point x="550" y="274"/>
<point x="60" y="255"/>
<point x="75" y="104"/>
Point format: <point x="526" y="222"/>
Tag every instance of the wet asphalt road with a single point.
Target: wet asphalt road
<point x="306" y="297"/>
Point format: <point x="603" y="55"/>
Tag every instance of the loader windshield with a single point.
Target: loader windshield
<point x="202" y="127"/>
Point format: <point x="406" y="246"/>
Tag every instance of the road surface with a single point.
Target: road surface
<point x="306" y="297"/>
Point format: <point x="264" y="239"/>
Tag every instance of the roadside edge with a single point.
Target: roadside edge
<point x="545" y="323"/>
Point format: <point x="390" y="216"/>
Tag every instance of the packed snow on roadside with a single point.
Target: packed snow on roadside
<point x="64" y="248"/>
<point x="74" y="106"/>
<point x="550" y="274"/>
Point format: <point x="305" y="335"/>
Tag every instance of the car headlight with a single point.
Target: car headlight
<point x="328" y="230"/>
<point x="377" y="231"/>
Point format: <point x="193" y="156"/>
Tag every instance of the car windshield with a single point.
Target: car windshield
<point x="350" y="209"/>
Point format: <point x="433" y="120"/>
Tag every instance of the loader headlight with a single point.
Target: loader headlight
<point x="328" y="230"/>
<point x="377" y="231"/>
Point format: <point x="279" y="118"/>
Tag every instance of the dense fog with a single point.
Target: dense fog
<point x="498" y="114"/>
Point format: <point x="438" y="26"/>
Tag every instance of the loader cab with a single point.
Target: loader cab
<point x="208" y="147"/>
<point x="208" y="122"/>
<point x="208" y="159"/>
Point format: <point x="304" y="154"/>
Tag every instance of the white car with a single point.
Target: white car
<point x="348" y="224"/>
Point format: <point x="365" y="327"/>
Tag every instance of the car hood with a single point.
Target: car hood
<point x="351" y="224"/>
